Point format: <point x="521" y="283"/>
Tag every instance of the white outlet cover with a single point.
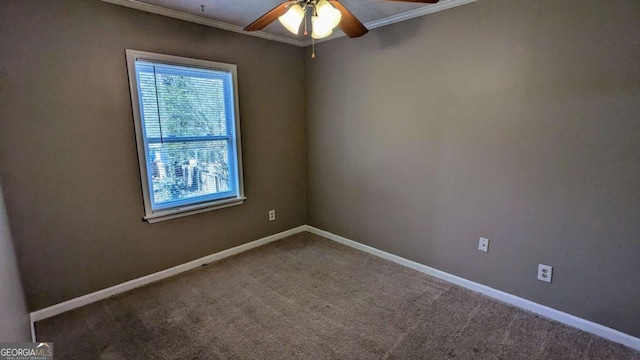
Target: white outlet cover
<point x="545" y="273"/>
<point x="483" y="244"/>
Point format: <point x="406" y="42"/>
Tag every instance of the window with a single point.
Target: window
<point x="188" y="134"/>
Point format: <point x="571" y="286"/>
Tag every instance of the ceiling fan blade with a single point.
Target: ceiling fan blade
<point x="417" y="1"/>
<point x="349" y="24"/>
<point x="269" y="17"/>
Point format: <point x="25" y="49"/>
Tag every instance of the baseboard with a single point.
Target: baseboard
<point x="135" y="283"/>
<point x="33" y="331"/>
<point x="568" y="319"/>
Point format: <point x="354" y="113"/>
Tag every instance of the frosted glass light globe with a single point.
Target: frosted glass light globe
<point x="292" y="18"/>
<point x="320" y="29"/>
<point x="329" y="15"/>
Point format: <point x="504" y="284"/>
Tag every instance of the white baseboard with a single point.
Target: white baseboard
<point x="135" y="283"/>
<point x="568" y="319"/>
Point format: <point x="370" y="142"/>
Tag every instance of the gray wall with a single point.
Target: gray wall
<point x="68" y="155"/>
<point x="14" y="319"/>
<point x="514" y="120"/>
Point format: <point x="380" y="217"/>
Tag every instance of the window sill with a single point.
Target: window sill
<point x="164" y="215"/>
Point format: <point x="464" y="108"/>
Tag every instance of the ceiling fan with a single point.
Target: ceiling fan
<point x="325" y="16"/>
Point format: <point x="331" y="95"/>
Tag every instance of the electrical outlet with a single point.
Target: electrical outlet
<point x="483" y="244"/>
<point x="545" y="272"/>
<point x="272" y="215"/>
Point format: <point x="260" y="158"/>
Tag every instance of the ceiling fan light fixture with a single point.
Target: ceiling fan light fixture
<point x="320" y="29"/>
<point x="329" y="15"/>
<point x="292" y="18"/>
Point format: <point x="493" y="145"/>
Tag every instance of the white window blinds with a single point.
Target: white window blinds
<point x="188" y="135"/>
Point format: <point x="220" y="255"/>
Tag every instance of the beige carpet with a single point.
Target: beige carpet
<point x="305" y="297"/>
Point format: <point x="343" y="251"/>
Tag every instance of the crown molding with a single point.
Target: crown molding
<point x="138" y="5"/>
<point x="443" y="5"/>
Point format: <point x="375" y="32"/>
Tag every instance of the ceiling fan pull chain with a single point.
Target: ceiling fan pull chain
<point x="313" y="41"/>
<point x="305" y="21"/>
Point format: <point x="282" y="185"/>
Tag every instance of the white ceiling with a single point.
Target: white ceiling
<point x="234" y="15"/>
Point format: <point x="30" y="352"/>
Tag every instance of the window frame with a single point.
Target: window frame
<point x="189" y="206"/>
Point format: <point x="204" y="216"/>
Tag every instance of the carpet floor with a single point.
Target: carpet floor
<point x="306" y="297"/>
